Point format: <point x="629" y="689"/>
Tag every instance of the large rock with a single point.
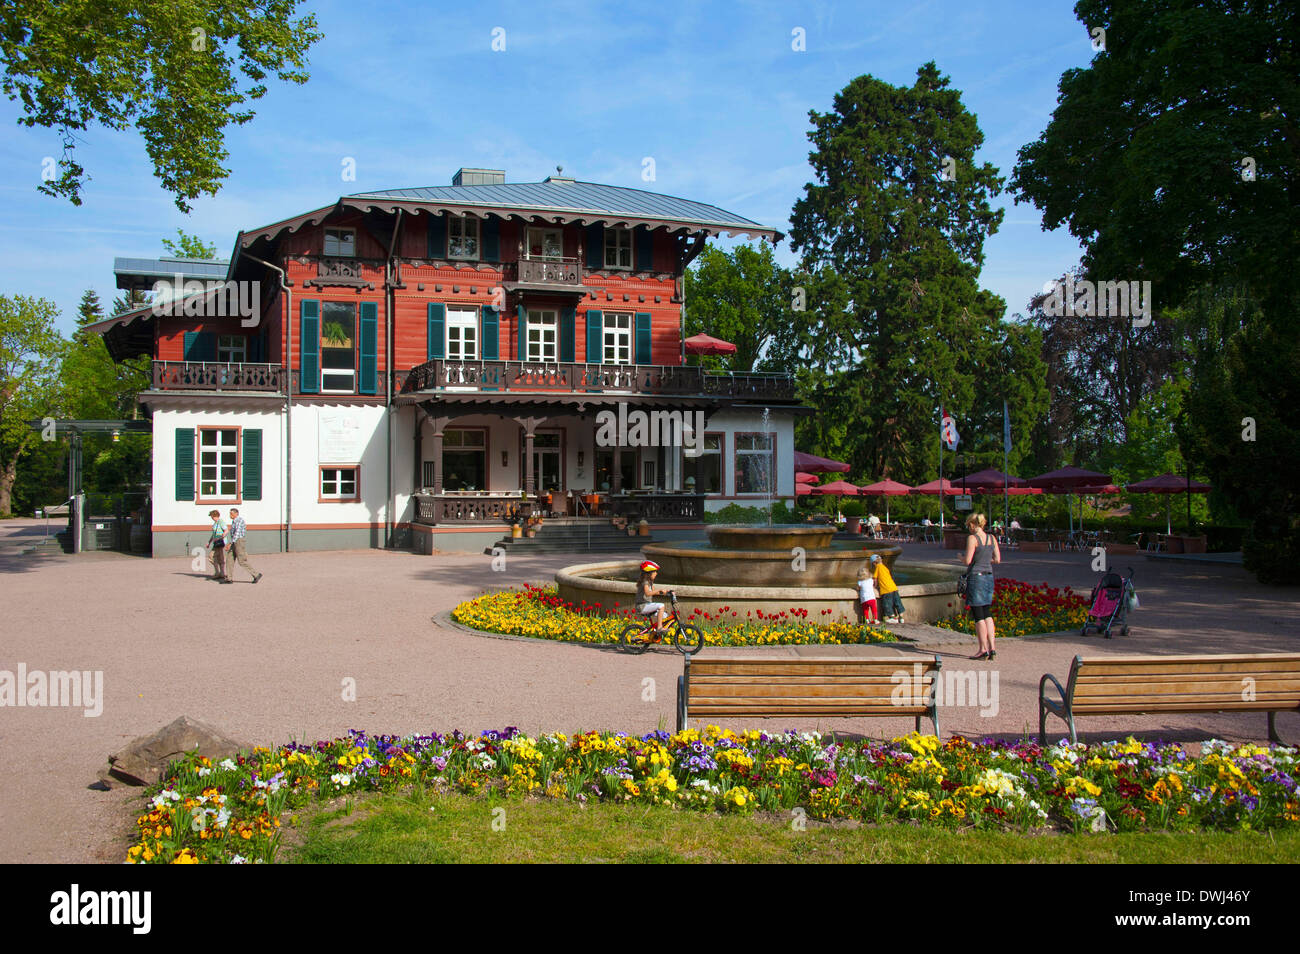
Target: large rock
<point x="144" y="760"/>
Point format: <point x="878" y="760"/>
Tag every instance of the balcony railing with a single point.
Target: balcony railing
<point x="434" y="509"/>
<point x="562" y="272"/>
<point x="217" y="376"/>
<point x="496" y="376"/>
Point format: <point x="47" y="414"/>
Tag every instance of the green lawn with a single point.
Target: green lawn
<point x="424" y="828"/>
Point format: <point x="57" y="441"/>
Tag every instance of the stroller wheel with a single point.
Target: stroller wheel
<point x="1124" y="631"/>
<point x="1084" y="631"/>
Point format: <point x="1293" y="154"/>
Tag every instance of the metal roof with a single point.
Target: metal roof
<point x="143" y="272"/>
<point x="572" y="197"/>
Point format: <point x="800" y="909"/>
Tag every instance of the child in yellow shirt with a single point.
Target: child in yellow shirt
<point x="891" y="604"/>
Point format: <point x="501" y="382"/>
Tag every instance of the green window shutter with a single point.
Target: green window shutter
<point x="200" y="346"/>
<point x="437" y="337"/>
<point x="491" y="335"/>
<point x="645" y="247"/>
<point x="437" y="236"/>
<point x="491" y="229"/>
<point x="369" y="348"/>
<point x="185" y="464"/>
<point x="595" y="246"/>
<point x="568" y="318"/>
<point x="252" y="463"/>
<point x="523" y="332"/>
<point x="643" y="338"/>
<point x="595" y="336"/>
<point x="309" y="347"/>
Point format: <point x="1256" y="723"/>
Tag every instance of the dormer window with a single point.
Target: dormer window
<point x="341" y="243"/>
<point x="618" y="248"/>
<point x="462" y="237"/>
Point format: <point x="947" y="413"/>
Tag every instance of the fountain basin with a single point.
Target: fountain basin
<point x="767" y="556"/>
<point x="928" y="590"/>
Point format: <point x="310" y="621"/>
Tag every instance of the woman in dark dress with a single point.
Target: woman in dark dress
<point x="981" y="553"/>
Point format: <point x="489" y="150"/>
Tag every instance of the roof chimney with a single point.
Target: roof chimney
<point x="473" y="177"/>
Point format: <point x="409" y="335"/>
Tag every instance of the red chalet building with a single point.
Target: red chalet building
<point x="417" y="365"/>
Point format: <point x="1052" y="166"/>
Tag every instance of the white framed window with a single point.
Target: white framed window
<point x="462" y="334"/>
<point x="338" y="353"/>
<point x="543" y="334"/>
<point x="546" y="244"/>
<point x="218" y="463"/>
<point x="232" y="349"/>
<point x="706" y="468"/>
<point x="755" y="459"/>
<point x="339" y="483"/>
<point x="341" y="243"/>
<point x="462" y="237"/>
<point x="618" y="339"/>
<point x="618" y="248"/>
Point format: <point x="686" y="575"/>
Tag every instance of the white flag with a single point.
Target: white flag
<point x="948" y="431"/>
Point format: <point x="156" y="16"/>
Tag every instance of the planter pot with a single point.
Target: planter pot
<point x="1194" y="544"/>
<point x="854" y="524"/>
<point x="531" y="534"/>
<point x="1174" y="544"/>
<point x="1119" y="549"/>
<point x="643" y="528"/>
<point x="1032" y="546"/>
<point x="516" y="531"/>
<point x="631" y="531"/>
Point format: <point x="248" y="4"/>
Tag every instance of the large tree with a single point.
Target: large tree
<point x="29" y="351"/>
<point x="891" y="234"/>
<point x="170" y="68"/>
<point x="742" y="296"/>
<point x="1172" y="158"/>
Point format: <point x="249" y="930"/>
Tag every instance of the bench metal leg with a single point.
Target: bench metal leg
<point x="681" y="703"/>
<point x="1272" y="729"/>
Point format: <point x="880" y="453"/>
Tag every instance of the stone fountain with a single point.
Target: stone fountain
<point x="768" y="568"/>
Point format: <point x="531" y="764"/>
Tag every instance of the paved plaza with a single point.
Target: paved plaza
<point x="267" y="663"/>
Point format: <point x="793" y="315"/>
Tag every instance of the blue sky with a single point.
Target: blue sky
<point x="714" y="92"/>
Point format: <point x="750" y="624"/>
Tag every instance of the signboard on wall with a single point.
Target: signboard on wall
<point x="341" y="440"/>
<point x="961" y="502"/>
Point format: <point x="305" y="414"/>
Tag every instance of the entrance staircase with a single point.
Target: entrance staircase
<point x="573" y="535"/>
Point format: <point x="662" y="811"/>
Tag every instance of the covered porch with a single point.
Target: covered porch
<point x="484" y="458"/>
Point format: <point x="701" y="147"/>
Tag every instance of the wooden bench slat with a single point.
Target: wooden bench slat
<point x="883" y="681"/>
<point x="1142" y="707"/>
<point x="813" y="669"/>
<point x="1232" y="658"/>
<point x="769" y="713"/>
<point x="782" y="691"/>
<point x="1283" y="686"/>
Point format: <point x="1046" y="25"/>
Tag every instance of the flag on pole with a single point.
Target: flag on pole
<point x="1006" y="429"/>
<point x="948" y="431"/>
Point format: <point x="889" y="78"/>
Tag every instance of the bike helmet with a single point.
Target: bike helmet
<point x="649" y="566"/>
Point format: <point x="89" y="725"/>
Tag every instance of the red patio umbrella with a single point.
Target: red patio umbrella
<point x="1067" y="480"/>
<point x="1171" y="484"/>
<point x="804" y="478"/>
<point x="988" y="479"/>
<point x="812" y="464"/>
<point x="707" y="344"/>
<point x="802" y="490"/>
<point x="934" y="487"/>
<point x="840" y="488"/>
<point x="886" y="489"/>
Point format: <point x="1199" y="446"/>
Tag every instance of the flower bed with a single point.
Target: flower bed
<point x="230" y="812"/>
<point x="538" y="612"/>
<point x="1023" y="609"/>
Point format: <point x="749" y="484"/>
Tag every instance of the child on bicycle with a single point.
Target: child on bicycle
<point x="645" y="594"/>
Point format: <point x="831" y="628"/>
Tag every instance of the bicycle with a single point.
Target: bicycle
<point x="688" y="638"/>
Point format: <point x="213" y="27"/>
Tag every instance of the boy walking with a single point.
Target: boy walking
<point x="891" y="605"/>
<point x="238" y="552"/>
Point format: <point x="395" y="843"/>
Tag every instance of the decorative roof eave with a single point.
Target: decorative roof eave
<point x="556" y="216"/>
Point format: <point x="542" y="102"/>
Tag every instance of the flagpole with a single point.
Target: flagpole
<point x="1006" y="487"/>
<point x="941" y="474"/>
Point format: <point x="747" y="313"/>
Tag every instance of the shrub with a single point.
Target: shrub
<point x="853" y="508"/>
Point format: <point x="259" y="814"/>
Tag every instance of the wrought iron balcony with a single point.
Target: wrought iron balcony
<point x="558" y="272"/>
<point x="217" y="376"/>
<point x="506" y="376"/>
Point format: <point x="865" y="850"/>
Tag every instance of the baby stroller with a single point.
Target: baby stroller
<point x="1112" y="598"/>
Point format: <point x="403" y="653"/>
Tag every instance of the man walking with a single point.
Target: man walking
<point x="238" y="552"/>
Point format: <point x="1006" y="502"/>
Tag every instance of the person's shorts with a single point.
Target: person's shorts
<point x="978" y="613"/>
<point x="649" y="609"/>
<point x="891" y="604"/>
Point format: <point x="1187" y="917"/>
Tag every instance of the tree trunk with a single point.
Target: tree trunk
<point x="9" y="475"/>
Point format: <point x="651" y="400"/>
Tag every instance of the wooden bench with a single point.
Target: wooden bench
<point x="834" y="687"/>
<point x="1132" y="685"/>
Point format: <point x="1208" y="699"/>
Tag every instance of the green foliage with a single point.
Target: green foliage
<point x="29" y="389"/>
<point x="170" y="68"/>
<point x="852" y="508"/>
<point x="897" y="324"/>
<point x="1143" y="160"/>
<point x="189" y="246"/>
<point x="742" y="296"/>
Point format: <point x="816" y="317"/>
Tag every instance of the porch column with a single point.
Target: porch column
<point x="529" y="424"/>
<point x="439" y="423"/>
<point x="616" y="478"/>
<point x="417" y="482"/>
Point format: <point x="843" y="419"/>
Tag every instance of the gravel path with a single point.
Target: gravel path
<point x="266" y="663"/>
